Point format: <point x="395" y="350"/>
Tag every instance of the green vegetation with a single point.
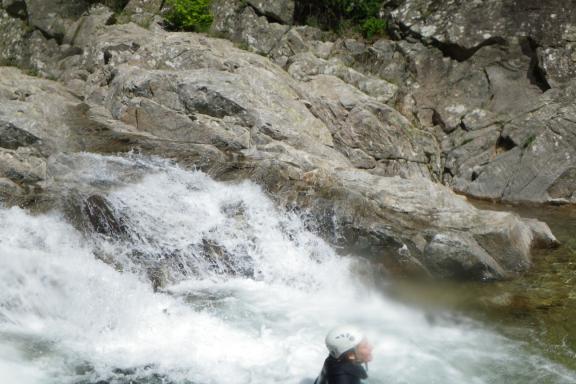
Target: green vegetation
<point x="189" y="15"/>
<point x="242" y="45"/>
<point x="8" y="62"/>
<point x="529" y="141"/>
<point x="31" y="72"/>
<point x="373" y="27"/>
<point x="342" y="15"/>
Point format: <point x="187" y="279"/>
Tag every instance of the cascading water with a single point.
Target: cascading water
<point x="245" y="294"/>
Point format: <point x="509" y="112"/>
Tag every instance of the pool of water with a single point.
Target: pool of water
<point x="538" y="308"/>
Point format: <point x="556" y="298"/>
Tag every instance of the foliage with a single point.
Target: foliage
<point x="31" y="72"/>
<point x="359" y="10"/>
<point x="336" y="15"/>
<point x="529" y="141"/>
<point x="242" y="45"/>
<point x="8" y="62"/>
<point x="374" y="27"/>
<point x="189" y="15"/>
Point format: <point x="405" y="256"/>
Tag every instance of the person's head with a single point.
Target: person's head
<point x="348" y="342"/>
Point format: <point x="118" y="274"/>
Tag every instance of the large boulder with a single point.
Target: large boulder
<point x="453" y="90"/>
<point x="187" y="88"/>
<point x="54" y="17"/>
<point x="403" y="223"/>
<point x="81" y="32"/>
<point x="33" y="124"/>
<point x="251" y="30"/>
<point x="34" y="111"/>
<point x="25" y="46"/>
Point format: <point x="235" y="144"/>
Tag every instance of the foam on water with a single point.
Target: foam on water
<point x="67" y="317"/>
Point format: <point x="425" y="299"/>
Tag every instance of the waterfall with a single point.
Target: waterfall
<point x="164" y="275"/>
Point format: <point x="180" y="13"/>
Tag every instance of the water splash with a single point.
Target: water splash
<point x="257" y="317"/>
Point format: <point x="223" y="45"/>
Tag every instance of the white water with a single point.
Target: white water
<point x="67" y="317"/>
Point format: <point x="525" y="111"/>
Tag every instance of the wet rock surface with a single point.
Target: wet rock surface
<point x="102" y="216"/>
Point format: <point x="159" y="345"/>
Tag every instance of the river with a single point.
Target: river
<point x="538" y="307"/>
<point x="244" y="294"/>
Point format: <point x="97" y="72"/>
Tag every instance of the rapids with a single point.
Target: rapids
<point x="78" y="306"/>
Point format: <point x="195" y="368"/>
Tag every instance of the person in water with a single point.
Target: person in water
<point x="348" y="349"/>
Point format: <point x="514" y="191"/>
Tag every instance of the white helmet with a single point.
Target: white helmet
<point x="342" y="339"/>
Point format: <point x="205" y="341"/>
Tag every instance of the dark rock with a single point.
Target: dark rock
<point x="12" y="137"/>
<point x="103" y="217"/>
<point x="15" y="8"/>
<point x="222" y="262"/>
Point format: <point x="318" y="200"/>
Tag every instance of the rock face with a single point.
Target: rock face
<point x="33" y="124"/>
<point x="494" y="76"/>
<point x="478" y="81"/>
<point x="530" y="159"/>
<point x="142" y="12"/>
<point x="282" y="11"/>
<point x="12" y="44"/>
<point x="461" y="29"/>
<point x="54" y="17"/>
<point x="440" y="231"/>
<point x="357" y="135"/>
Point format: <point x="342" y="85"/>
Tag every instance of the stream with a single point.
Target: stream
<point x="538" y="307"/>
<point x="245" y="293"/>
